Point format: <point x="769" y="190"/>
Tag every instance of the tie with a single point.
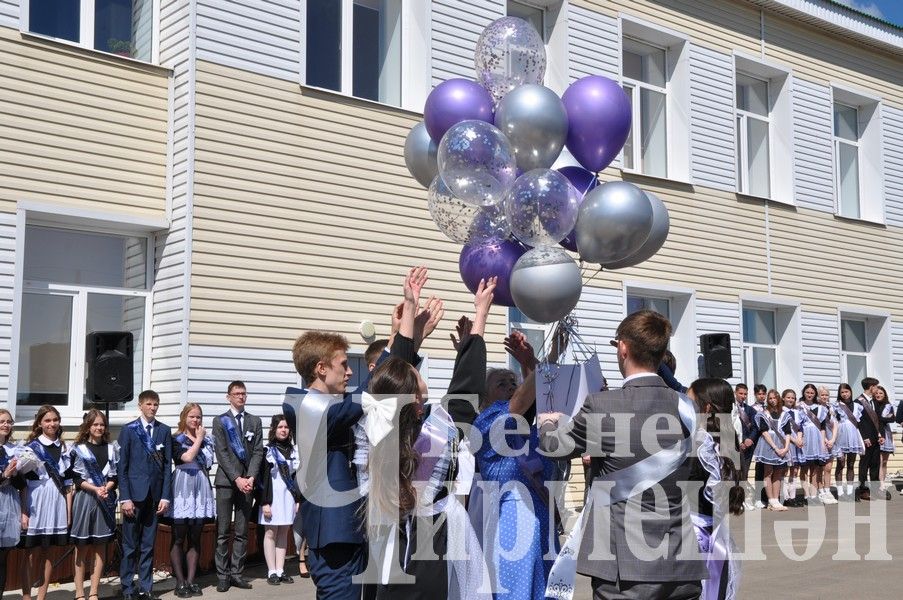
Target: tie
<point x="240" y="425"/>
<point x="150" y="430"/>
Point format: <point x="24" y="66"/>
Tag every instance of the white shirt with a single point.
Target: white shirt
<point x="638" y="375"/>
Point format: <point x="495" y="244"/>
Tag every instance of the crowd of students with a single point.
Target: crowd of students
<point x="811" y="444"/>
<point x="59" y="493"/>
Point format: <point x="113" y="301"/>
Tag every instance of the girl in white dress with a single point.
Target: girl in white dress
<point x="832" y="428"/>
<point x="849" y="442"/>
<point x="94" y="506"/>
<point x="47" y="501"/>
<point x="10" y="513"/>
<point x="279" y="499"/>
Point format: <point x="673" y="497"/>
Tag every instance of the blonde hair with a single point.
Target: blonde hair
<point x="183" y="416"/>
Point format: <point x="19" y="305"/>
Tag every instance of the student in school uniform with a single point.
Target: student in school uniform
<point x="47" y="501"/>
<point x="10" y="509"/>
<point x="885" y="411"/>
<point x="849" y="443"/>
<point x="773" y="447"/>
<point x="94" y="505"/>
<point x="193" y="503"/>
<point x="812" y="454"/>
<point x="788" y="397"/>
<point x="280" y="498"/>
<point x="832" y="429"/>
<point x="145" y="459"/>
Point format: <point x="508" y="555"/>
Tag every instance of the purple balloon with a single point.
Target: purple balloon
<point x="598" y="120"/>
<point x="583" y="181"/>
<point x="453" y="101"/>
<point x="493" y="258"/>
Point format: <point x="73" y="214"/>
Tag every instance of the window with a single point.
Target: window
<point x="124" y="27"/>
<point x="864" y="347"/>
<point x="752" y="136"/>
<point x="356" y="46"/>
<point x="537" y="334"/>
<point x="858" y="174"/>
<point x="764" y="129"/>
<point x="75" y="283"/>
<point x="678" y="305"/>
<point x="655" y="77"/>
<point x="772" y="348"/>
<point x="543" y="15"/>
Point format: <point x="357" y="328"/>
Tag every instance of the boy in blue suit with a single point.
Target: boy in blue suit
<point x="144" y="484"/>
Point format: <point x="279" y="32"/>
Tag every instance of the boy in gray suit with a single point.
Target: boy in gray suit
<point x="238" y="438"/>
<point x="649" y="550"/>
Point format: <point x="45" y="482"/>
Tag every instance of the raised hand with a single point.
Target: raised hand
<point x="427" y="319"/>
<point x="396" y="317"/>
<point x="414" y="283"/>
<point x="517" y="346"/>
<point x="463" y="328"/>
<point x="482" y="299"/>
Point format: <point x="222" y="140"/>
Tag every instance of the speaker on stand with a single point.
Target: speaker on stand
<point x="110" y="365"/>
<point x="716" y="355"/>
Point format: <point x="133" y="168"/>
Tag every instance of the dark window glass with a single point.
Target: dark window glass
<point x="113" y="26"/>
<point x="56" y="18"/>
<point x="323" y="54"/>
<point x="366" y="53"/>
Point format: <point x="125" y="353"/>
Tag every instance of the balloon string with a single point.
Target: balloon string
<point x="593" y="276"/>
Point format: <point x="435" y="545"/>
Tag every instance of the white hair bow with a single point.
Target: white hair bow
<point x="380" y="416"/>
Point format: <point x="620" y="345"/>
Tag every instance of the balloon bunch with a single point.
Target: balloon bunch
<point x="485" y="150"/>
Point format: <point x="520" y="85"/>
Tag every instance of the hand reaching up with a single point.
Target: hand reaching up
<point x="414" y="283"/>
<point x="427" y="319"/>
<point x="463" y="328"/>
<point x="482" y="302"/>
<point x="517" y="346"/>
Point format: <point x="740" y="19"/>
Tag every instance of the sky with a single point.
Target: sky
<point x="889" y="10"/>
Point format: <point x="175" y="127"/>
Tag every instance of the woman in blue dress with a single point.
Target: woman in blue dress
<point x="10" y="511"/>
<point x="520" y="544"/>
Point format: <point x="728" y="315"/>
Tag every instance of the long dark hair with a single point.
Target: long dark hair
<point x="717" y="396"/>
<point x="274" y="423"/>
<point x="36" y="426"/>
<point x="844" y="386"/>
<point x="393" y="378"/>
<point x="803" y="393"/>
<point x="84" y="430"/>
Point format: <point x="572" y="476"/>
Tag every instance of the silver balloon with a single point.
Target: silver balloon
<point x="535" y="122"/>
<point x="542" y="207"/>
<point x="546" y="284"/>
<point x="476" y="162"/>
<point x="614" y="222"/>
<point x="661" y="225"/>
<point x="420" y="155"/>
<point x="509" y="52"/>
<point x="465" y="223"/>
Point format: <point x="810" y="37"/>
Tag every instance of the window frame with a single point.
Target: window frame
<point x="677" y="101"/>
<point x="86" y="30"/>
<point x="41" y="214"/>
<point x="837" y="142"/>
<point x="636" y="109"/>
<point x="415" y="59"/>
<point x="870" y="153"/>
<point x="742" y="121"/>
<point x="788" y="339"/>
<point x="555" y="38"/>
<point x="749" y="347"/>
<point x="879" y="350"/>
<point x="544" y="328"/>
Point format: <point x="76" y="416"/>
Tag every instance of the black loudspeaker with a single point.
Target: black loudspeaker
<point x="110" y="364"/>
<point x="716" y="355"/>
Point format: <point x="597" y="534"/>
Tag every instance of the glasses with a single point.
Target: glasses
<point x="239" y="394"/>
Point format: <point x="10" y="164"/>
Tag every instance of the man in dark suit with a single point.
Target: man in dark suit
<point x="145" y="457"/>
<point x="650" y="549"/>
<point x="872" y="436"/>
<point x="238" y="437"/>
<point x="744" y="420"/>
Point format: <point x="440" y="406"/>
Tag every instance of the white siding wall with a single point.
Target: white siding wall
<point x="821" y="350"/>
<point x="262" y="36"/>
<point x="169" y="331"/>
<point x="593" y="44"/>
<point x="598" y="314"/>
<point x="9" y="13"/>
<point x="712" y="118"/>
<point x="456" y="25"/>
<point x="893" y="164"/>
<point x="812" y="117"/>
<point x="715" y="316"/>
<point x="7" y="268"/>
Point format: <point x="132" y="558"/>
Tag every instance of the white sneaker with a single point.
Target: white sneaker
<point x="749" y="505"/>
<point x="828" y="498"/>
<point x="759" y="504"/>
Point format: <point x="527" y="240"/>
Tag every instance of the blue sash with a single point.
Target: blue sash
<point x="199" y="460"/>
<point x="235" y="441"/>
<point x="147" y="442"/>
<point x="286" y="475"/>
<point x="52" y="466"/>
<point x="97" y="478"/>
<point x="4" y="459"/>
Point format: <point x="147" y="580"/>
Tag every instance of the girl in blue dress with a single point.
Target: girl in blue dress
<point x="849" y="442"/>
<point x="773" y="447"/>
<point x="812" y="454"/>
<point x="788" y="397"/>
<point x="10" y="512"/>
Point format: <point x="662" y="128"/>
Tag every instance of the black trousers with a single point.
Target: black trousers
<point x="869" y="465"/>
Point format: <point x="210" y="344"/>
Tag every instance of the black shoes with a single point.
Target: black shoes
<point x="183" y="591"/>
<point x="146" y="596"/>
<point x="286" y="578"/>
<point x="273" y="579"/>
<point x="195" y="589"/>
<point x="240" y="582"/>
<point x="222" y="585"/>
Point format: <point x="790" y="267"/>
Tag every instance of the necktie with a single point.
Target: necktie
<point x="150" y="430"/>
<point x="238" y="418"/>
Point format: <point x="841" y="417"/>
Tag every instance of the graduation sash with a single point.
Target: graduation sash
<point x="97" y="478"/>
<point x="52" y="466"/>
<point x="287" y="477"/>
<point x="744" y="418"/>
<point x="812" y="417"/>
<point x="200" y="459"/>
<point x="867" y="407"/>
<point x="147" y="442"/>
<point x="4" y="459"/>
<point x="849" y="413"/>
<point x="236" y="443"/>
